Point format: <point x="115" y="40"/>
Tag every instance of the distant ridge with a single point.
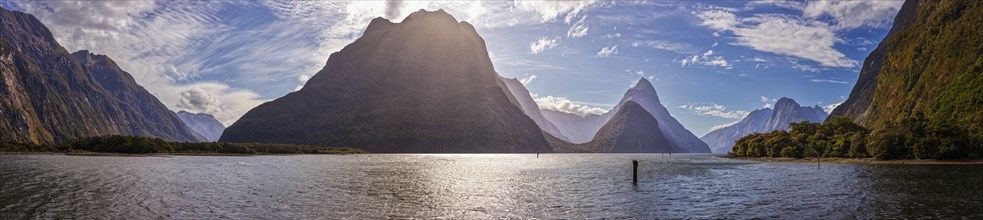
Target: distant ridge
<point x="764" y="120"/>
<point x="204" y="124"/>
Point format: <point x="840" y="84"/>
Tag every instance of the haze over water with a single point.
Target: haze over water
<point x="477" y="186"/>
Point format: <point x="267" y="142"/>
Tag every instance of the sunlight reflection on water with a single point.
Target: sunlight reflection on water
<point x="477" y="186"/>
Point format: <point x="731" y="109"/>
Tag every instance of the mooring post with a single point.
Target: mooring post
<point x="819" y="159"/>
<point x="537" y="155"/>
<point x="634" y="172"/>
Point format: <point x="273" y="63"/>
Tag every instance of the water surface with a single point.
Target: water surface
<point x="477" y="186"/>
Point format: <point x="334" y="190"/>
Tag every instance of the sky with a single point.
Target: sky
<point x="711" y="62"/>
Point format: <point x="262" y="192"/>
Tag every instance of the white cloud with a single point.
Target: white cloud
<point x="550" y="10"/>
<point x="682" y="48"/>
<point x="804" y="67"/>
<point x="776" y="3"/>
<point x="562" y="104"/>
<point x="714" y="110"/>
<point x="393" y="8"/>
<point x="528" y="79"/>
<point x="767" y="102"/>
<point x="542" y="44"/>
<point x="608" y="51"/>
<point x="853" y="14"/>
<point x="706" y="59"/>
<point x="720" y="126"/>
<point x="199" y="100"/>
<point x="779" y="34"/>
<point x="225" y="103"/>
<point x="829" y="108"/>
<point x="827" y="81"/>
<point x="579" y="29"/>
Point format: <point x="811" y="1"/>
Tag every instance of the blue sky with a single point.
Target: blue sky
<point x="711" y="62"/>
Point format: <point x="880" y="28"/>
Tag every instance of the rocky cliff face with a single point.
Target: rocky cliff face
<point x="857" y="103"/>
<point x="204" y="124"/>
<point x="930" y="63"/>
<point x="52" y="96"/>
<point x="785" y="112"/>
<point x="423" y="85"/>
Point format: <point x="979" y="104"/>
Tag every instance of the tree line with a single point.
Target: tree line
<point x="149" y="145"/>
<point x="914" y="137"/>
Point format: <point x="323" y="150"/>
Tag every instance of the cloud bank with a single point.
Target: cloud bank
<point x="562" y="104"/>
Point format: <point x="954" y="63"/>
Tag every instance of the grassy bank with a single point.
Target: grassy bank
<point x="854" y="160"/>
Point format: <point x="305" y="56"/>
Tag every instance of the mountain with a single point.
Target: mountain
<point x="929" y="63"/>
<point x="765" y="120"/>
<point x="577" y="128"/>
<point x="681" y="139"/>
<point x="721" y="140"/>
<point x="631" y="130"/>
<point x="204" y="124"/>
<point x="52" y="96"/>
<point x="788" y="111"/>
<point x="423" y="85"/>
<point x="530" y="108"/>
<point x="583" y="128"/>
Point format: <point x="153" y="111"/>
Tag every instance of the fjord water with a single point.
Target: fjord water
<point x="477" y="185"/>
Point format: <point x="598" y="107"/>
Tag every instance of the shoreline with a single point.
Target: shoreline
<point x="109" y="154"/>
<point x="856" y="160"/>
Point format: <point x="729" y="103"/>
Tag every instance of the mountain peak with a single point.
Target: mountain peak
<point x="87" y="56"/>
<point x="631" y="130"/>
<point x="431" y="16"/>
<point x="643" y="83"/>
<point x="642" y="89"/>
<point x="786" y="102"/>
<point x="438" y="18"/>
<point x="431" y="87"/>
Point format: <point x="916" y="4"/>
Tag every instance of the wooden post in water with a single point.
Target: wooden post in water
<point x="634" y="172"/>
<point x="819" y="158"/>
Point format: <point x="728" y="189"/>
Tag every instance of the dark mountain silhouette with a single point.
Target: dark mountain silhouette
<point x="765" y="120"/>
<point x="630" y="130"/>
<point x="423" y="85"/>
<point x="52" y="96"/>
<point x="204" y="124"/>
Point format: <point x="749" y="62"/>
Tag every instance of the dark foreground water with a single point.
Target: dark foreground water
<point x="477" y="186"/>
